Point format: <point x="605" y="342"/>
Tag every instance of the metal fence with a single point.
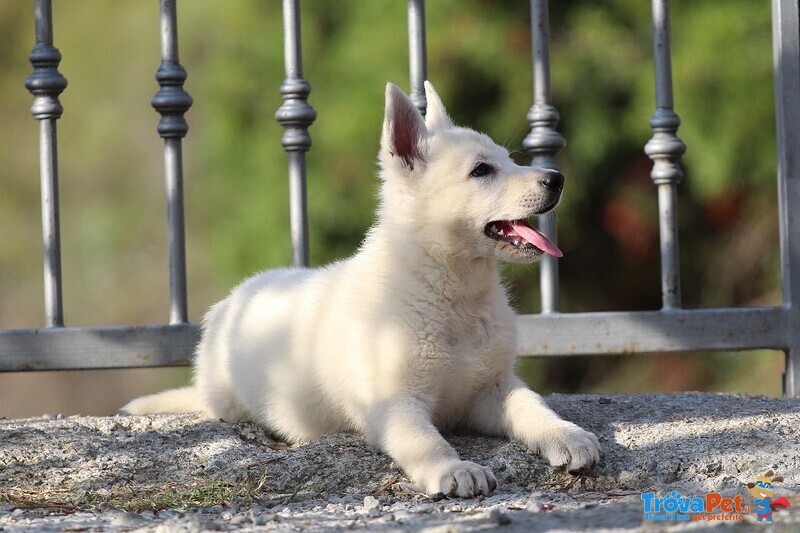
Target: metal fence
<point x="550" y="333"/>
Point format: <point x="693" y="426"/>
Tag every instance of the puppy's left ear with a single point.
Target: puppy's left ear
<point x="404" y="133"/>
<point x="435" y="114"/>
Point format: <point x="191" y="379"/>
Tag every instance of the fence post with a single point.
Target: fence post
<point x="296" y="115"/>
<point x="786" y="55"/>
<point x="666" y="149"/>
<point x="544" y="142"/>
<point x="171" y="101"/>
<point x="417" y="53"/>
<point x="46" y="83"/>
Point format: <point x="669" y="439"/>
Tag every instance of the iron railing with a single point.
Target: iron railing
<point x="550" y="333"/>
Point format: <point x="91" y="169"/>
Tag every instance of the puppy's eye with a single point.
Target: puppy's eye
<point x="482" y="170"/>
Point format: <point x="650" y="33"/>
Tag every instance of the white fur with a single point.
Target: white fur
<point x="411" y="336"/>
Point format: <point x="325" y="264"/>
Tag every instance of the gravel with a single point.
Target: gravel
<point x="180" y="473"/>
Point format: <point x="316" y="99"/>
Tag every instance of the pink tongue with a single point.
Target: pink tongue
<point x="535" y="237"/>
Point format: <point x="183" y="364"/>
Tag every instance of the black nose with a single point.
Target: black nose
<point x="552" y="179"/>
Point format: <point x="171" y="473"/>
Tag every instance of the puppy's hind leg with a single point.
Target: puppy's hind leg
<point x="511" y="408"/>
<point x="402" y="428"/>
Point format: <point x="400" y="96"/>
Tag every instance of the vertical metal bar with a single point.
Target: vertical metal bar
<point x="666" y="149"/>
<point x="786" y="58"/>
<point x="544" y="142"/>
<point x="46" y="83"/>
<point x="171" y="101"/>
<point x="298" y="210"/>
<point x="417" y="53"/>
<point x="295" y="115"/>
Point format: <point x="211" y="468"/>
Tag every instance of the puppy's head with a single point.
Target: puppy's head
<point x="457" y="192"/>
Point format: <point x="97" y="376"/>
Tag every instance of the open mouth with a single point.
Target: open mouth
<point x="520" y="235"/>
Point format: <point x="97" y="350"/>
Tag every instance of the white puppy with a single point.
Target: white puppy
<point x="412" y="335"/>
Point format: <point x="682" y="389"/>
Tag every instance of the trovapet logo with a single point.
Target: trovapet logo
<point x="713" y="506"/>
<point x="677" y="507"/>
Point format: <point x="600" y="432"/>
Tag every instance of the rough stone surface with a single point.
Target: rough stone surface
<point x="179" y="473"/>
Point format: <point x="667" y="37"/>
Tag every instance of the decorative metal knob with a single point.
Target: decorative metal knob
<point x="665" y="147"/>
<point x="295" y="115"/>
<point x="544" y="139"/>
<point x="171" y="101"/>
<point x="46" y="82"/>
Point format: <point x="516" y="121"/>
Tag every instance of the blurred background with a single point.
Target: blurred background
<point x="113" y="216"/>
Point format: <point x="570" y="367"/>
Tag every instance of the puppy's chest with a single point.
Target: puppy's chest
<point x="467" y="333"/>
<point x="464" y="340"/>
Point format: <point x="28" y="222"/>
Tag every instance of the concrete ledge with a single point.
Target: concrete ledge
<point x="177" y="472"/>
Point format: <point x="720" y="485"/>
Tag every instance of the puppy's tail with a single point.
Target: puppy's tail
<point x="183" y="400"/>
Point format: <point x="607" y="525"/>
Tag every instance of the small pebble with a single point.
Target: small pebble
<point x="371" y="502"/>
<point x="499" y="517"/>
<point x="127" y="520"/>
<point x="240" y="519"/>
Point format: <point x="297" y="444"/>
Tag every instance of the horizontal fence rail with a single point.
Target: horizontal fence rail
<point x="604" y="333"/>
<point x="98" y="347"/>
<point x="550" y="333"/>
<point x="557" y="334"/>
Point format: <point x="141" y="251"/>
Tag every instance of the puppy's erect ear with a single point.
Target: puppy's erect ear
<point x="404" y="130"/>
<point x="435" y="115"/>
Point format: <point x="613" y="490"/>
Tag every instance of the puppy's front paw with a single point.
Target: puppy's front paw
<point x="568" y="445"/>
<point x="464" y="479"/>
